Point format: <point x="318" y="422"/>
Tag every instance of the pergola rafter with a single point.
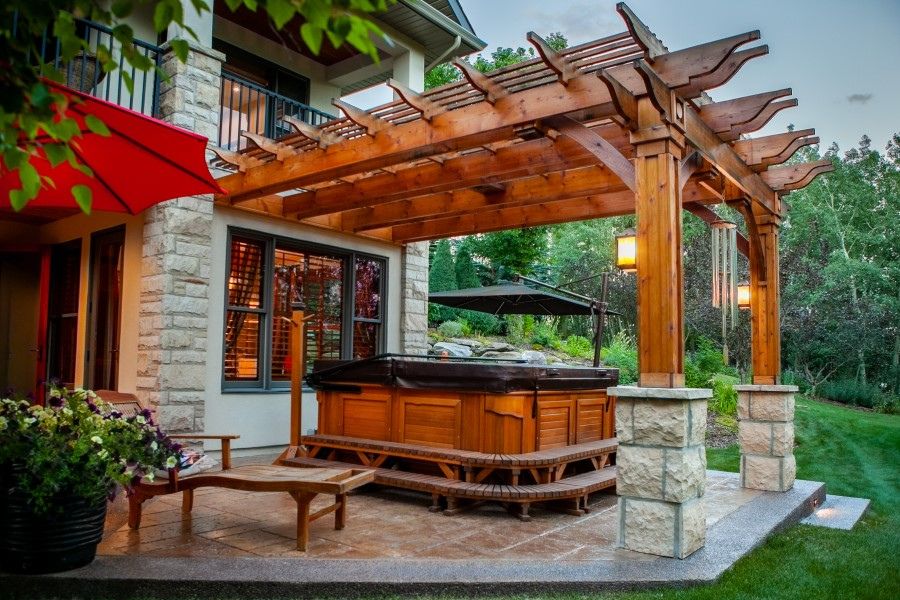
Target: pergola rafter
<point x="613" y="126"/>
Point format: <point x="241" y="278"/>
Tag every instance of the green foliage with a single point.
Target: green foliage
<point x="466" y="274"/>
<point x="512" y="251"/>
<point x="77" y="447"/>
<point x="481" y="322"/>
<point x="577" y="346"/>
<point x="854" y="393"/>
<point x="450" y="329"/>
<point x="622" y="354"/>
<point x="440" y="75"/>
<point x="33" y="119"/>
<point x="442" y="272"/>
<point x="544" y="334"/>
<point x="724" y="400"/>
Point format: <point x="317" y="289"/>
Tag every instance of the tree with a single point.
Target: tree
<point x="466" y="274"/>
<point x="442" y="274"/>
<point x="33" y="118"/>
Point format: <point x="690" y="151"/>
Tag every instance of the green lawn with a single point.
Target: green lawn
<point x="856" y="454"/>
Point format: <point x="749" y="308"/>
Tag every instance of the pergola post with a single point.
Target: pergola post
<point x="765" y="321"/>
<point x="661" y="425"/>
<point x="765" y="408"/>
<point x="660" y="295"/>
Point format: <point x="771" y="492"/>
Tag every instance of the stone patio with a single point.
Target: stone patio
<point x="239" y="543"/>
<point x="383" y="524"/>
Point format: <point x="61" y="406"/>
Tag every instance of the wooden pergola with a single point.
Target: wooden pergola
<point x="614" y="126"/>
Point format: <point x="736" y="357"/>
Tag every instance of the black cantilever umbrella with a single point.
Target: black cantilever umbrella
<point x="513" y="299"/>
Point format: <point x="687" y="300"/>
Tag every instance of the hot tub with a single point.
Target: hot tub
<point x="494" y="407"/>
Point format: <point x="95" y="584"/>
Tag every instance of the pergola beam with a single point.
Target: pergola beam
<point x="584" y="97"/>
<point x="574" y="183"/>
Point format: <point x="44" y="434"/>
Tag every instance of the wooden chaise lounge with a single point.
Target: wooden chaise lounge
<point x="302" y="484"/>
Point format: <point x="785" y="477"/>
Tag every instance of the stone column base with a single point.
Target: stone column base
<point x="766" y="435"/>
<point x="661" y="464"/>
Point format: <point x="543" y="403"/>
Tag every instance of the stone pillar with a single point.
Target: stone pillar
<point x="414" y="300"/>
<point x="175" y="268"/>
<point x="766" y="435"/>
<point x="661" y="469"/>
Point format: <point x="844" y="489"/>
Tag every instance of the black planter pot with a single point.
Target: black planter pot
<point x="61" y="541"/>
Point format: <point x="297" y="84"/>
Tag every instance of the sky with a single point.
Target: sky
<point x="840" y="57"/>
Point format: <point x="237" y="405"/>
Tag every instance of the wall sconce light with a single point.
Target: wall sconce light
<point x="743" y="295"/>
<point x="626" y="251"/>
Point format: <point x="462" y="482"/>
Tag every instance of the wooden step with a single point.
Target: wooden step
<point x="569" y="487"/>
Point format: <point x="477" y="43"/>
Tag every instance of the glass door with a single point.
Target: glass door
<point x="104" y="310"/>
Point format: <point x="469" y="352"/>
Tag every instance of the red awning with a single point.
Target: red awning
<point x="143" y="162"/>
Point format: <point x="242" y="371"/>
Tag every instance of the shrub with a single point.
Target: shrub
<point x="544" y="335"/>
<point x="622" y="354"/>
<point x="481" y="322"/>
<point x="850" y="391"/>
<point x="577" y="345"/>
<point x="450" y="329"/>
<point x="724" y="400"/>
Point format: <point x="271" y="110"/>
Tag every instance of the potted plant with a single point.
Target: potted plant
<point x="59" y="466"/>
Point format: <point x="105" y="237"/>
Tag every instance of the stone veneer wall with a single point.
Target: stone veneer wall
<point x="661" y="469"/>
<point x="175" y="268"/>
<point x="766" y="435"/>
<point x="414" y="300"/>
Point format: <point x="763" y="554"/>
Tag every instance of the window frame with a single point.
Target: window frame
<point x="264" y="382"/>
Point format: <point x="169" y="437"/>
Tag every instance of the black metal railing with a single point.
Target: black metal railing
<point x="84" y="72"/>
<point x="247" y="106"/>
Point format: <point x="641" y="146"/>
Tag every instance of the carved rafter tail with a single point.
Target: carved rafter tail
<point x="763" y="152"/>
<point x="767" y="114"/>
<point x="371" y="123"/>
<point x="640" y="33"/>
<point x="623" y="99"/>
<point x="311" y="132"/>
<point x="241" y="161"/>
<point x="553" y="59"/>
<point x="723" y="73"/>
<point x="415" y="100"/>
<point x="722" y="116"/>
<point x="277" y="149"/>
<point x="794" y="177"/>
<point x="680" y="68"/>
<point x="492" y="90"/>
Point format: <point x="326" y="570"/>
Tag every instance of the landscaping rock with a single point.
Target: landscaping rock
<point x="451" y="349"/>
<point x="497" y="354"/>
<point x="473" y="344"/>
<point x="534" y="357"/>
<point x="499" y="347"/>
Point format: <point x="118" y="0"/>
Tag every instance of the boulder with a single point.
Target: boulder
<point x="498" y="354"/>
<point x="451" y="349"/>
<point x="499" y="347"/>
<point x="473" y="344"/>
<point x="534" y="357"/>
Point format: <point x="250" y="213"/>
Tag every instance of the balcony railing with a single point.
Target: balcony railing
<point x="84" y="72"/>
<point x="247" y="106"/>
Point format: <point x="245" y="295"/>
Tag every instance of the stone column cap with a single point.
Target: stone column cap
<point x="193" y="46"/>
<point x="650" y="393"/>
<point x="787" y="389"/>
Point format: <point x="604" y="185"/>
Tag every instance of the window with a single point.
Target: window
<point x="343" y="291"/>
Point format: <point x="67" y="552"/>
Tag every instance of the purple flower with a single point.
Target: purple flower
<point x="55" y="402"/>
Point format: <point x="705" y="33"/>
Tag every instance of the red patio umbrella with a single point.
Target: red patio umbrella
<point x="141" y="163"/>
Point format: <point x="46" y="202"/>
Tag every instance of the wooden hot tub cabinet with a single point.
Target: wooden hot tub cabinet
<point x="483" y="407"/>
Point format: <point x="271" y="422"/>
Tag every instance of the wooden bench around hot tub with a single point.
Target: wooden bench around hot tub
<point x="468" y="475"/>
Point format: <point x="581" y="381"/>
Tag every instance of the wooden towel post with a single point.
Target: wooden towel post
<point x="298" y="355"/>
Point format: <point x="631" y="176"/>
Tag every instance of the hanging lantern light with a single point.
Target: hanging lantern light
<point x="626" y="251"/>
<point x="743" y="295"/>
<point x="724" y="275"/>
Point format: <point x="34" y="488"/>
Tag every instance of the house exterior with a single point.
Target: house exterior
<point x="186" y="304"/>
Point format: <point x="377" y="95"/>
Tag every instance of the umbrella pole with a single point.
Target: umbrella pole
<point x="602" y="305"/>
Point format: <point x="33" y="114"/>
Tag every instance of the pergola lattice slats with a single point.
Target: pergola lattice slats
<point x="609" y="127"/>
